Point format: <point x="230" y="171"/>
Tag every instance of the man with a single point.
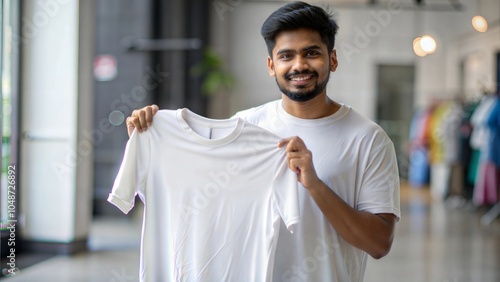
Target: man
<point x="345" y="163"/>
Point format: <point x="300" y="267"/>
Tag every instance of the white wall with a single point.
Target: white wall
<point x="248" y="56"/>
<point x="367" y="38"/>
<point x="388" y="32"/>
<point x="478" y="52"/>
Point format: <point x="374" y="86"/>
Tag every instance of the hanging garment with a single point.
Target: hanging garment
<point x="418" y="160"/>
<point x="480" y="131"/>
<point x="486" y="189"/>
<point x="484" y="121"/>
<point x="465" y="151"/>
<point x="450" y="129"/>
<point x="493" y="123"/>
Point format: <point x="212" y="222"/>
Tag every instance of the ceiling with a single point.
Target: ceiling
<point x="436" y="5"/>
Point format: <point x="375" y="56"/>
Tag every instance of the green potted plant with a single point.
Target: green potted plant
<point x="214" y="78"/>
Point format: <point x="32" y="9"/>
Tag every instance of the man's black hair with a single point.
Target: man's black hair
<point x="298" y="15"/>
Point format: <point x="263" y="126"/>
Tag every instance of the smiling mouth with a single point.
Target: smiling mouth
<point x="301" y="80"/>
<point x="301" y="77"/>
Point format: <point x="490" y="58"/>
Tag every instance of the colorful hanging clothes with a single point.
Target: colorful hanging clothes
<point x="467" y="157"/>
<point x="418" y="167"/>
<point x="485" y="138"/>
<point x="436" y="140"/>
<point x="493" y="123"/>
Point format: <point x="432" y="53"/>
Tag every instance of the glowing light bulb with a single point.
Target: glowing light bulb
<point x="428" y="44"/>
<point x="479" y="24"/>
<point x="417" y="48"/>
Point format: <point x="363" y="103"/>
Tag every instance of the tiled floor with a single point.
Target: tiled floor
<point x="439" y="242"/>
<point x="113" y="257"/>
<point x="434" y="243"/>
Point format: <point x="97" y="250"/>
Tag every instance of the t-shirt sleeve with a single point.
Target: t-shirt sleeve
<point x="131" y="177"/>
<point x="285" y="192"/>
<point x="380" y="185"/>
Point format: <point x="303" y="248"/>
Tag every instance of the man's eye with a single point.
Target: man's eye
<point x="312" y="53"/>
<point x="286" y="56"/>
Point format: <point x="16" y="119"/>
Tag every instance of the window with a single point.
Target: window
<point x="9" y="48"/>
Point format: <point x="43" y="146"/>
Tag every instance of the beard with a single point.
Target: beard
<point x="302" y="95"/>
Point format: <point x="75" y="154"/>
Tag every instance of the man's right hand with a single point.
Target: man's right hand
<point x="141" y="119"/>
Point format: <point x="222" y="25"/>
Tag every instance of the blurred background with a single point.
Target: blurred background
<point x="427" y="71"/>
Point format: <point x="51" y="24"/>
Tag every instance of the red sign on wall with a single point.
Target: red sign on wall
<point x="105" y="68"/>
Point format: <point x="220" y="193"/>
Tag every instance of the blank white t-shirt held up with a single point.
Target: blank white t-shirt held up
<point x="356" y="159"/>
<point x="215" y="193"/>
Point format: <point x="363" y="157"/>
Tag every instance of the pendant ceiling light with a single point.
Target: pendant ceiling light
<point x="479" y="22"/>
<point x="428" y="44"/>
<point x="422" y="45"/>
<point x="417" y="48"/>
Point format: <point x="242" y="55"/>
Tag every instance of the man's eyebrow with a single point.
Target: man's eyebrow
<point x="307" y="48"/>
<point x="285" y="51"/>
<point x="312" y="47"/>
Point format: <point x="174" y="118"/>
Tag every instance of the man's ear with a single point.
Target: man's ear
<point x="333" y="60"/>
<point x="270" y="66"/>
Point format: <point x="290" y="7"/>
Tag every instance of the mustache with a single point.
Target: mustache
<point x="287" y="76"/>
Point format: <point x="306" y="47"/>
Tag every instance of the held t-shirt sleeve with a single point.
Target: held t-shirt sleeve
<point x="285" y="192"/>
<point x="131" y="178"/>
<point x="380" y="185"/>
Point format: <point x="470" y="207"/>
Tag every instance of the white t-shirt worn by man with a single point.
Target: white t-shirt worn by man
<point x="215" y="193"/>
<point x="356" y="159"/>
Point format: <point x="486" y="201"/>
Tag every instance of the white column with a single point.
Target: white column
<point x="56" y="109"/>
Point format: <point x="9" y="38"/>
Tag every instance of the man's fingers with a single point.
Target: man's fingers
<point x="132" y="123"/>
<point x="294" y="165"/>
<point x="296" y="145"/>
<point x="154" y="109"/>
<point x="150" y="111"/>
<point x="144" y="117"/>
<point x="294" y="155"/>
<point x="286" y="141"/>
<point x="141" y="119"/>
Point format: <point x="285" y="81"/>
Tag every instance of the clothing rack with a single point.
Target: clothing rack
<point x="494" y="212"/>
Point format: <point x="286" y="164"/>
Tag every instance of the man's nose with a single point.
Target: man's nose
<point x="300" y="64"/>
